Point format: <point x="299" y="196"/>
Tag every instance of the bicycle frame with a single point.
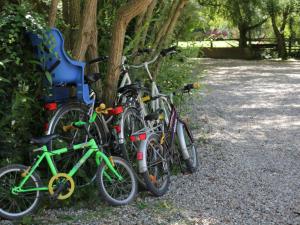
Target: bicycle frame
<point x="155" y="104"/>
<point x="93" y="148"/>
<point x="175" y="126"/>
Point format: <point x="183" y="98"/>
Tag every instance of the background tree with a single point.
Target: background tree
<point x="52" y="13"/>
<point x="280" y="12"/>
<point x="246" y="15"/>
<point x="124" y="15"/>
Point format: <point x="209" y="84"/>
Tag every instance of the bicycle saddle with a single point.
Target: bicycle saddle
<point x="43" y="140"/>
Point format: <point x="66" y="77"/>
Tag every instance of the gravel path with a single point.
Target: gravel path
<point x="248" y="131"/>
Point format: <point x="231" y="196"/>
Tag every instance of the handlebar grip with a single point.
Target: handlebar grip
<point x="167" y="51"/>
<point x="150" y="98"/>
<point x="189" y="87"/>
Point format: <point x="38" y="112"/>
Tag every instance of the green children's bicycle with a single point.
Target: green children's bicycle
<point x="21" y="188"/>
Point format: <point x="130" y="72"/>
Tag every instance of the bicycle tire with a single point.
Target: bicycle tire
<point x="86" y="174"/>
<point x="192" y="162"/>
<point x="33" y="180"/>
<point x="106" y="194"/>
<point x="154" y="155"/>
<point x="128" y="148"/>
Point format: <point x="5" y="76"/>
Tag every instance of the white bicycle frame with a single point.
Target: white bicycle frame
<point x="157" y="103"/>
<point x="126" y="78"/>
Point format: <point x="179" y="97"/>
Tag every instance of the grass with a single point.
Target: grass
<point x="191" y="49"/>
<point x="207" y="44"/>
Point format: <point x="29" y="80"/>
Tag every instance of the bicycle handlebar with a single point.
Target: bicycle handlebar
<point x="189" y="87"/>
<point x="99" y="59"/>
<point x="163" y="53"/>
<point x="168" y="51"/>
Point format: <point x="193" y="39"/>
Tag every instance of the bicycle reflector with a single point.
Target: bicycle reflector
<point x="117" y="128"/>
<point x="50" y="106"/>
<point x="146" y="99"/>
<point x="46" y="127"/>
<point x="139" y="156"/>
<point x="140" y="137"/>
<point x="116" y="111"/>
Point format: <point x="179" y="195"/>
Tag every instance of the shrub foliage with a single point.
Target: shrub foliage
<point x="20" y="82"/>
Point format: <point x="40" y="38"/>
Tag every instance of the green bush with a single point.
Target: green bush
<point x="175" y="72"/>
<point x="20" y="82"/>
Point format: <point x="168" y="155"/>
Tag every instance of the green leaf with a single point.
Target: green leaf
<point x="49" y="77"/>
<point x="2" y="79"/>
<point x="2" y="64"/>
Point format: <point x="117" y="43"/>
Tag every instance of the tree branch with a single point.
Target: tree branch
<point x="52" y="13"/>
<point x="258" y="24"/>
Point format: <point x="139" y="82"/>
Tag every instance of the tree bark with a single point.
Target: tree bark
<point x="243" y="36"/>
<point x="280" y="37"/>
<point x="165" y="25"/>
<point x="124" y="15"/>
<point x="171" y="27"/>
<point x="165" y="38"/>
<point x="74" y="19"/>
<point x="87" y="30"/>
<point x="52" y="13"/>
<point x="145" y="25"/>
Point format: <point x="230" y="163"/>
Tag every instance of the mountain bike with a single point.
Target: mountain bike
<point x="157" y="153"/>
<point x="21" y="188"/>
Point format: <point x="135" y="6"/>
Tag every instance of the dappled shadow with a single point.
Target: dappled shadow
<point x="250" y="171"/>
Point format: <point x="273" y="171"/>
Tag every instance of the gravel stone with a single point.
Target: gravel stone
<point x="248" y="137"/>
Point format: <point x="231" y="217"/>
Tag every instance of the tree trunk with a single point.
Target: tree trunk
<point x="74" y="19"/>
<point x="66" y="6"/>
<point x="144" y="25"/>
<point x="124" y="15"/>
<point x="292" y="34"/>
<point x="164" y="26"/>
<point x="52" y="14"/>
<point x="171" y="27"/>
<point x="165" y="39"/>
<point x="87" y="30"/>
<point x="281" y="46"/>
<point x="243" y="36"/>
<point x="71" y="16"/>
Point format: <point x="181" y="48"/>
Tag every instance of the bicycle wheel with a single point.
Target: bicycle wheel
<point x="15" y="206"/>
<point x="115" y="191"/>
<point x="132" y="123"/>
<point x="157" y="176"/>
<point x="66" y="115"/>
<point x="192" y="162"/>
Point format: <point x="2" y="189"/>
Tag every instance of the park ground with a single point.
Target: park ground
<point x="246" y="121"/>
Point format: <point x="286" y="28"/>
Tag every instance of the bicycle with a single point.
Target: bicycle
<point x="22" y="189"/>
<point x="75" y="110"/>
<point x="157" y="100"/>
<point x="156" y="152"/>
